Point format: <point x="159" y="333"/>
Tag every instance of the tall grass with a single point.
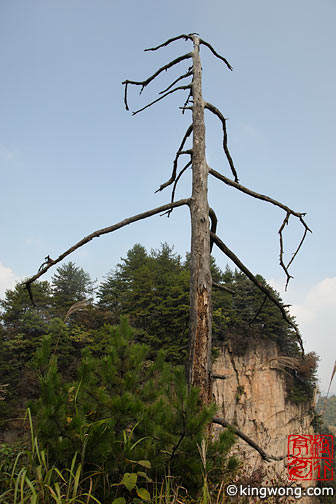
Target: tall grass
<point x="32" y="480"/>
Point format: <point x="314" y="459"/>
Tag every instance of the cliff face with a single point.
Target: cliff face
<point x="252" y="396"/>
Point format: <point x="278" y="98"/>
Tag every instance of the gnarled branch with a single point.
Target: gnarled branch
<point x="213" y="228"/>
<point x="184" y="76"/>
<point x="284" y="266"/>
<point x="169" y="41"/>
<point x="288" y="211"/>
<point x="260" y="286"/>
<point x="145" y="82"/>
<point x="256" y="195"/>
<point x="223" y="120"/>
<point x="265" y="456"/>
<point x="100" y="232"/>
<point x="178" y="153"/>
<point x="259" y="311"/>
<point x="175" y="183"/>
<point x="191" y="36"/>
<point x="184" y="108"/>
<point x="162" y="97"/>
<point x="215" y="53"/>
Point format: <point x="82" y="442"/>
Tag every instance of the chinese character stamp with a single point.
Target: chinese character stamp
<point x="310" y="457"/>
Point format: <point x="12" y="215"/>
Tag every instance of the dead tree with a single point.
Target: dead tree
<point x="203" y="218"/>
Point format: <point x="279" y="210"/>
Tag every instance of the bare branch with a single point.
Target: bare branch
<point x="177" y="80"/>
<point x="178" y="153"/>
<point x="223" y="120"/>
<point x="288" y="211"/>
<point x="223" y="288"/>
<point x="265" y="456"/>
<point x="175" y="183"/>
<point x="301" y="242"/>
<point x="282" y="264"/>
<point x="188" y="151"/>
<point x="182" y="436"/>
<point x="216" y="53"/>
<point x="28" y="286"/>
<point x="259" y="311"/>
<point x="103" y="231"/>
<point x="145" y="83"/>
<point x="161" y="98"/>
<point x="125" y="95"/>
<point x="264" y="289"/>
<point x="184" y="108"/>
<point x="164" y="44"/>
<point x="256" y="195"/>
<point x="213" y="228"/>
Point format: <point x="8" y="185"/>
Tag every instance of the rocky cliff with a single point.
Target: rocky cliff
<point x="251" y="393"/>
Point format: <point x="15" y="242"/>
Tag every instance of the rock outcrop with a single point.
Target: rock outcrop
<point x="250" y="391"/>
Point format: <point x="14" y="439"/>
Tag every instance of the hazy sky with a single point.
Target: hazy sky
<point x="73" y="160"/>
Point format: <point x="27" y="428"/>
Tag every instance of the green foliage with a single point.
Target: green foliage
<point x="124" y="411"/>
<point x="131" y="481"/>
<point x="8" y="456"/>
<point x="301" y="384"/>
<point x="31" y="478"/>
<point x="22" y="328"/>
<point x="107" y="393"/>
<point x="70" y="284"/>
<point x="24" y="325"/>
<point x="328" y="407"/>
<point x="18" y="313"/>
<point x="153" y="290"/>
<point x="250" y="313"/>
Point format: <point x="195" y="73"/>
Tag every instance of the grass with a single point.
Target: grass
<point x="26" y="477"/>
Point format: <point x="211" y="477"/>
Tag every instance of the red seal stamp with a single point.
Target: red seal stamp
<point x="310" y="457"/>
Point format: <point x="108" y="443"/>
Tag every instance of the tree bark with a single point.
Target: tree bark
<point x="200" y="283"/>
<point x="202" y="238"/>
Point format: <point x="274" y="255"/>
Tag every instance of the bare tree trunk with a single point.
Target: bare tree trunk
<point x="202" y="238"/>
<point x="199" y="365"/>
<point x="200" y="283"/>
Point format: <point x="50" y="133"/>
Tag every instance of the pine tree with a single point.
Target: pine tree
<point x="153" y="290"/>
<point x="123" y="409"/>
<point x="18" y="313"/>
<point x="70" y="284"/>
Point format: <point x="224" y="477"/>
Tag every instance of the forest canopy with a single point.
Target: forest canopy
<point x="152" y="290"/>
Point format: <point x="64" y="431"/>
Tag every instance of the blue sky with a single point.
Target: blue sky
<point x="72" y="160"/>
